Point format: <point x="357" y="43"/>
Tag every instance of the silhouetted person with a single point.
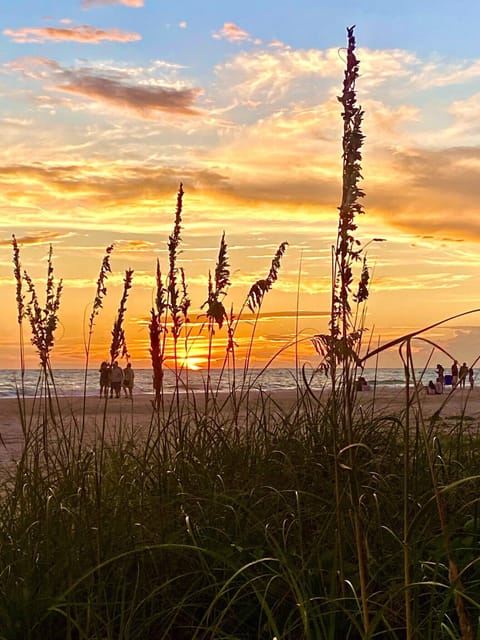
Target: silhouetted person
<point x="128" y="378"/>
<point x="441" y="376"/>
<point x="462" y="374"/>
<point x="116" y="379"/>
<point x="454" y="374"/>
<point x="431" y="388"/>
<point x="104" y="378"/>
<point x="362" y="384"/>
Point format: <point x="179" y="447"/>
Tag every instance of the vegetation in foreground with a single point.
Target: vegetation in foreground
<point x="237" y="534"/>
<point x="241" y="520"/>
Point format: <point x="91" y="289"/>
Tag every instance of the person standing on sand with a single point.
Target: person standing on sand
<point x="128" y="378"/>
<point x="470" y="377"/>
<point x="440" y="377"/>
<point x="116" y="380"/>
<point x="462" y="375"/>
<point x="454" y="374"/>
<point x="104" y="379"/>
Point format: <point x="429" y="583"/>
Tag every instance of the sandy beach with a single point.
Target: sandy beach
<point x="137" y="413"/>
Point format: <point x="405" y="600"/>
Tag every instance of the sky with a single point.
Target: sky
<point x="106" y="106"/>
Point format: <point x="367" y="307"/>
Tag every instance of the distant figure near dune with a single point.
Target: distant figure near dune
<point x="470" y="377"/>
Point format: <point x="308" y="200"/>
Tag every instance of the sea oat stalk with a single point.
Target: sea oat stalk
<point x="217" y="290"/>
<point x="43" y="321"/>
<point x="343" y="337"/>
<point x="20" y="300"/>
<point x="173" y="271"/>
<point x="339" y="348"/>
<point x="185" y="303"/>
<point x="173" y="290"/>
<point x="100" y="293"/>
<point x="260" y="287"/>
<point x="118" y="344"/>
<point x="158" y="331"/>
<point x="257" y="293"/>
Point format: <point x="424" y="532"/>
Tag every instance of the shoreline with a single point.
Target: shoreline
<point x="137" y="413"/>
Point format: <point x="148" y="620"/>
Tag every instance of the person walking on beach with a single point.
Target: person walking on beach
<point x="128" y="378"/>
<point x="470" y="377"/>
<point x="116" y="380"/>
<point x="104" y="379"/>
<point x="440" y="377"/>
<point x="454" y="374"/>
<point x="462" y="375"/>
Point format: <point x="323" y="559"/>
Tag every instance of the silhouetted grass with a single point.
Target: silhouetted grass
<point x="235" y="535"/>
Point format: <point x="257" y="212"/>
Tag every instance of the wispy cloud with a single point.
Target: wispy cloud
<point x="88" y="4"/>
<point x="16" y="122"/>
<point x="115" y="88"/>
<point x="129" y="246"/>
<point x="38" y="238"/>
<point x="421" y="282"/>
<point x="81" y="33"/>
<point x="144" y="101"/>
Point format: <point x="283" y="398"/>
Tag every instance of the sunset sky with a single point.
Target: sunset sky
<point x="107" y="105"/>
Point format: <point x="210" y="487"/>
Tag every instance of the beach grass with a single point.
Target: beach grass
<point x="235" y="535"/>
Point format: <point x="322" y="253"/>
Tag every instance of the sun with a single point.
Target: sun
<point x="192" y="363"/>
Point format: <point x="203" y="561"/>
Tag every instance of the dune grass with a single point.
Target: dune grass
<point x="237" y="516"/>
<point x="236" y="534"/>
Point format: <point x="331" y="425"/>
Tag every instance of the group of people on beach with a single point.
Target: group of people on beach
<point x="458" y="378"/>
<point x="113" y="378"/>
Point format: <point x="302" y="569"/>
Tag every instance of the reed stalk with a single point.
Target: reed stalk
<point x="118" y="344"/>
<point x="257" y="294"/>
<point x="43" y="323"/>
<point x="20" y="301"/>
<point x="215" y="310"/>
<point x="100" y="293"/>
<point x="158" y="336"/>
<point x="173" y="289"/>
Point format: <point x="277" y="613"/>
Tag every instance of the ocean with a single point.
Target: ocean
<point x="70" y="382"/>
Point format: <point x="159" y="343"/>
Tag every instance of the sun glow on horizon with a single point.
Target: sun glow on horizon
<point x="192" y="363"/>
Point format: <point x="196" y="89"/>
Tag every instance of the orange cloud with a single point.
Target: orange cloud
<point x="127" y="246"/>
<point x="136" y="4"/>
<point x="232" y="33"/>
<point x="41" y="237"/>
<point x="80" y="33"/>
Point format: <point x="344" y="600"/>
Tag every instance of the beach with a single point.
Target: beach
<point x="137" y="413"/>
